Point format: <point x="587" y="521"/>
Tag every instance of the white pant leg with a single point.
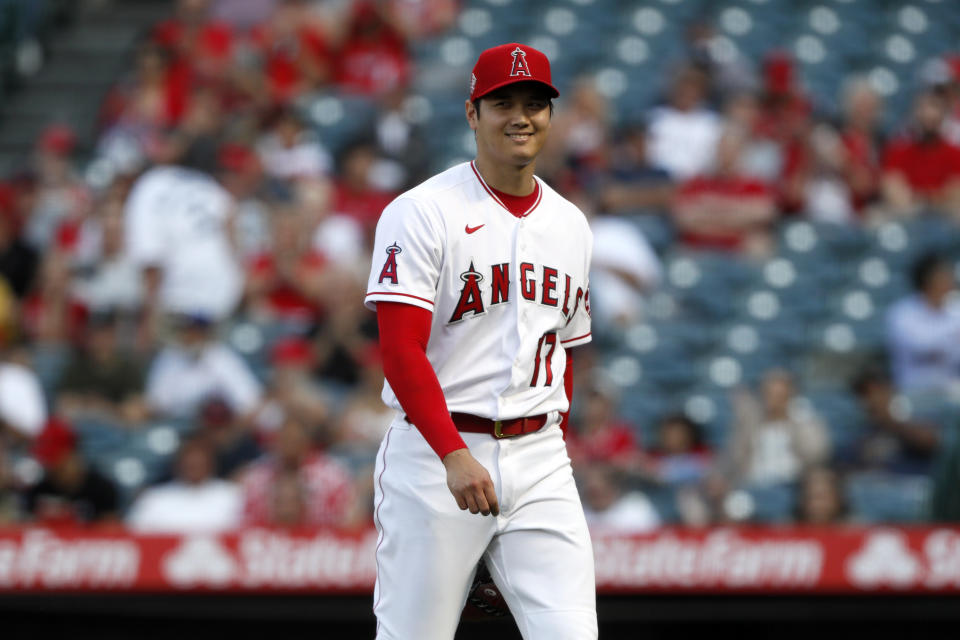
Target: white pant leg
<point x="427" y="547"/>
<point x="542" y="557"/>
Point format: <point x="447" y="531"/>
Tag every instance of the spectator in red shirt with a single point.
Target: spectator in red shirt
<point x="862" y="141"/>
<point x="295" y="54"/>
<point x="326" y="487"/>
<point x="726" y="210"/>
<point x="201" y="48"/>
<point x="356" y="193"/>
<point x="286" y="283"/>
<point x="922" y="169"/>
<point x="374" y="59"/>
<point x="143" y="107"/>
<point x="599" y="436"/>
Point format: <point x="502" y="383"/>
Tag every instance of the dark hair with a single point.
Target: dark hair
<point x="867" y="377"/>
<point x="693" y="428"/>
<point x="924" y="268"/>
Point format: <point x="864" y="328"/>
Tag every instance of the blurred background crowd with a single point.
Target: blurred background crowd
<point x="773" y="186"/>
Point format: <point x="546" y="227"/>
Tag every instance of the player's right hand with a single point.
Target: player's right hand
<point x="470" y="483"/>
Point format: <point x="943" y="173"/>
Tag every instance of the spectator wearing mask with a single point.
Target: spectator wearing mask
<point x="194" y="502"/>
<point x="195" y="366"/>
<point x="70" y="491"/>
<point x="921" y="169"/>
<point x="923" y="330"/>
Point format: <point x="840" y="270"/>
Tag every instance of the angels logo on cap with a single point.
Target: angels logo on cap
<point x="509" y="63"/>
<point x="519" y="67"/>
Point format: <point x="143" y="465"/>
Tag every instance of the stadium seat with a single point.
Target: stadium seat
<point x="886" y="498"/>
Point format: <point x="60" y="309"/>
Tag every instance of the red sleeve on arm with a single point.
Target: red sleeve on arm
<point x="404" y="332"/>
<point x="568" y="388"/>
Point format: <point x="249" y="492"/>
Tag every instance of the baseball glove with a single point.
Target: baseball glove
<point x="485" y="599"/>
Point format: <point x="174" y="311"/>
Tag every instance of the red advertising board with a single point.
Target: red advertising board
<point x="727" y="560"/>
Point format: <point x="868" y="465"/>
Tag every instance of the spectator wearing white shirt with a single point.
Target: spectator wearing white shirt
<point x="683" y="134"/>
<point x="289" y="151"/>
<point x="108" y="278"/>
<point x="194" y="367"/>
<point x="610" y="509"/>
<point x="624" y="269"/>
<point x="923" y="330"/>
<point x="177" y="231"/>
<point x="195" y="502"/>
<point x="23" y="409"/>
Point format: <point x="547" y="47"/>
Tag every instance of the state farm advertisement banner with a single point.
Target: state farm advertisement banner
<point x="726" y="560"/>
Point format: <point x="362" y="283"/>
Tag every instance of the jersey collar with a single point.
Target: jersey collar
<point x="493" y="195"/>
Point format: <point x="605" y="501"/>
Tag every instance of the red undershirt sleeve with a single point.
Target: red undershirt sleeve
<point x="568" y="388"/>
<point x="404" y="332"/>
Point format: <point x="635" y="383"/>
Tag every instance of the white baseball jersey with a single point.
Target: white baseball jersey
<point x="176" y="219"/>
<point x="508" y="294"/>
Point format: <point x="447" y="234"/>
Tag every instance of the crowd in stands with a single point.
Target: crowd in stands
<point x="185" y="346"/>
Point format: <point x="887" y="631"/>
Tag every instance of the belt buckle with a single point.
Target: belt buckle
<point x="498" y="430"/>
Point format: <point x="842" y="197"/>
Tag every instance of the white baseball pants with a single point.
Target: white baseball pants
<point x="538" y="549"/>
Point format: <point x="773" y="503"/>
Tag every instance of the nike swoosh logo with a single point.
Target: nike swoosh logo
<point x="470" y="229"/>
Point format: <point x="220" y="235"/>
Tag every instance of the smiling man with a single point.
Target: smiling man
<point x="479" y="281"/>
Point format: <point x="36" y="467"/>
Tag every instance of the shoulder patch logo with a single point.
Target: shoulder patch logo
<point x="389" y="271"/>
<point x="519" y="67"/>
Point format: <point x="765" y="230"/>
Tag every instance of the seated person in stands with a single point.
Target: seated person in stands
<point x="772" y="441"/>
<point x="890" y="442"/>
<point x="194" y="502"/>
<point x="610" y="508"/>
<point x="923" y="331"/>
<point x="325" y="485"/>
<point x="70" y="491"/>
<point x="10" y="508"/>
<point x="598" y="435"/>
<point x="679" y="456"/>
<point x="726" y="210"/>
<point x="820" y="498"/>
<point x="921" y="169"/>
<point x="633" y="183"/>
<point x="194" y="366"/>
<point x="101" y="381"/>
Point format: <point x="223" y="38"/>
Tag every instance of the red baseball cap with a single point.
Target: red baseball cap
<point x="507" y="64"/>
<point x="54" y="443"/>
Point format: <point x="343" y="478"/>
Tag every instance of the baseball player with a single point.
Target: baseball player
<point x="479" y="280"/>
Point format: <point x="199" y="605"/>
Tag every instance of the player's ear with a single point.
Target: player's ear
<point x="473" y="114"/>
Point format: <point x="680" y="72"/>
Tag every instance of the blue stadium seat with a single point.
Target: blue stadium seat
<point x="876" y="498"/>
